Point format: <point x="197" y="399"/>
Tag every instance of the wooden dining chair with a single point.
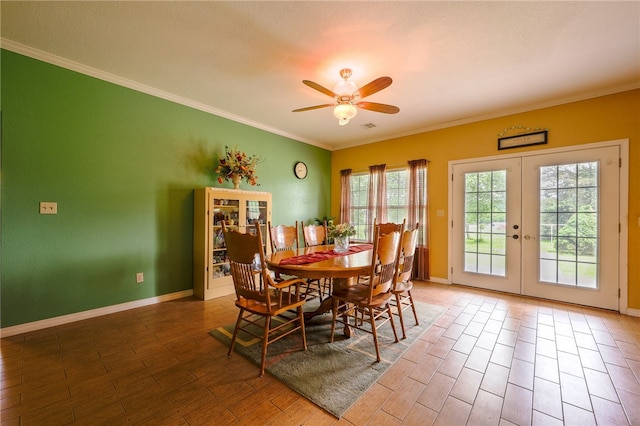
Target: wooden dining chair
<point x="388" y="227"/>
<point x="366" y="306"/>
<point x="316" y="235"/>
<point x="402" y="287"/>
<point x="385" y="228"/>
<point x="283" y="237"/>
<point x="276" y="307"/>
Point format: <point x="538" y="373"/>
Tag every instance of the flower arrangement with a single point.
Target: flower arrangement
<point x="237" y="164"/>
<point x="341" y="230"/>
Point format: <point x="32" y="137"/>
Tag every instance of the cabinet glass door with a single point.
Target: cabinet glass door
<point x="227" y="211"/>
<point x="257" y="213"/>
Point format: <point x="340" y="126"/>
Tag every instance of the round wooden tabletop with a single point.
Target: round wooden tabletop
<point x="342" y="266"/>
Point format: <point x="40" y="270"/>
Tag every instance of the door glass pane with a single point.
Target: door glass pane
<point x="485" y="222"/>
<point x="568" y="243"/>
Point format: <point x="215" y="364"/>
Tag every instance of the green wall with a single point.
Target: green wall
<point x="122" y="166"/>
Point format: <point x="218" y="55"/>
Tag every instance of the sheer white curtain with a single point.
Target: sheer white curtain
<point x="377" y="202"/>
<point x="418" y="212"/>
<point x="345" y="195"/>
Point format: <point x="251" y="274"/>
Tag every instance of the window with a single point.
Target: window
<point x="397" y="195"/>
<point x="359" y="185"/>
<point x="397" y="200"/>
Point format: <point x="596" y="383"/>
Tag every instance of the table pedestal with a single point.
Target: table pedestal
<point x="325" y="306"/>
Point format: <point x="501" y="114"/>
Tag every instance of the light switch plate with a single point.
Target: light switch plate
<point x="48" y="207"/>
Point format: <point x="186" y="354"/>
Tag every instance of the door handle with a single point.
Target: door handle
<point x="515" y="237"/>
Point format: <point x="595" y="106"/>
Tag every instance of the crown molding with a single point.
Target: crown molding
<point x="121" y="81"/>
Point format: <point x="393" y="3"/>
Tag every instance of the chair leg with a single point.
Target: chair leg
<point x="265" y="343"/>
<point x="320" y="290"/>
<point x="327" y="287"/>
<point x="399" y="306"/>
<point x="304" y="333"/>
<point x="235" y="333"/>
<point x="334" y="310"/>
<point x="374" y="331"/>
<point x="413" y="307"/>
<point x="307" y="290"/>
<point x="393" y="325"/>
<point x="359" y="321"/>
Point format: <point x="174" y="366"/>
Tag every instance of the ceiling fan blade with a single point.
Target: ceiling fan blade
<point x="319" y="88"/>
<point x="375" y="86"/>
<point x="313" y="107"/>
<point x="373" y="106"/>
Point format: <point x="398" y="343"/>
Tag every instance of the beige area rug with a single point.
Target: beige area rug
<point x="332" y="375"/>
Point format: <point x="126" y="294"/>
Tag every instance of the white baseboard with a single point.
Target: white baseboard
<point x="439" y="280"/>
<point x="633" y="312"/>
<point x="625" y="311"/>
<point x="78" y="316"/>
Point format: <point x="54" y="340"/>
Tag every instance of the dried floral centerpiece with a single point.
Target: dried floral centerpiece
<point x="236" y="166"/>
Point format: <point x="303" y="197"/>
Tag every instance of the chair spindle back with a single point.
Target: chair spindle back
<point x="407" y="253"/>
<point x="314" y="235"/>
<point x="386" y="250"/>
<point x="283" y="237"/>
<point x="243" y="251"/>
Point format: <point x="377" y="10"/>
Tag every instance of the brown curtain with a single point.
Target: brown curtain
<point x="377" y="203"/>
<point x="419" y="213"/>
<point x="345" y="195"/>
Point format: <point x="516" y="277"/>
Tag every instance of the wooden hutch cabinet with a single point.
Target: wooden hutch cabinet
<point x="240" y="210"/>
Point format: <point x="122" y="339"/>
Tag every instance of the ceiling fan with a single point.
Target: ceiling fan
<point x="347" y="97"/>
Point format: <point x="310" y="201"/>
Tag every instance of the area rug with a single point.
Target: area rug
<point x="332" y="375"/>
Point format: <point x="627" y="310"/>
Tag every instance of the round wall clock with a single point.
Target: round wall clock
<point x="300" y="170"/>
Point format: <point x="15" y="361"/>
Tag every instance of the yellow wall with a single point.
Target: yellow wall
<point x="595" y="120"/>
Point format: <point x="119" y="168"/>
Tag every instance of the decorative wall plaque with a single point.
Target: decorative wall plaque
<point x="536" y="138"/>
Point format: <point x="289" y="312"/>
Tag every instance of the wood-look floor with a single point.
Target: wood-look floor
<point x="491" y="359"/>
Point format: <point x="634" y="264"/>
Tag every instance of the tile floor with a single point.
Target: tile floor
<point x="491" y="359"/>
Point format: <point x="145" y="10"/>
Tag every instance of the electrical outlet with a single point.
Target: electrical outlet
<point x="48" y="207"/>
<point x="139" y="277"/>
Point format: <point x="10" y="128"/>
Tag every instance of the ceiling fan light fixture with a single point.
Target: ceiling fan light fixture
<point x="345" y="88"/>
<point x="344" y="113"/>
<point x="346" y="97"/>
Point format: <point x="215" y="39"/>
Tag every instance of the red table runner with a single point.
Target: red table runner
<point x="323" y="255"/>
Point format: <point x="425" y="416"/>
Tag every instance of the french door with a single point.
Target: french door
<point x="543" y="225"/>
<point x="486" y="224"/>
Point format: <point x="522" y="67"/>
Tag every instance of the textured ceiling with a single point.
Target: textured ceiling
<point x="451" y="62"/>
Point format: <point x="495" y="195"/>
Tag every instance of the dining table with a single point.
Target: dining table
<point x="318" y="262"/>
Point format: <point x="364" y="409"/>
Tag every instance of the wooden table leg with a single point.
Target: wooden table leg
<point x="324" y="307"/>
